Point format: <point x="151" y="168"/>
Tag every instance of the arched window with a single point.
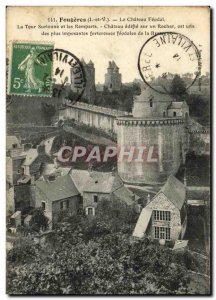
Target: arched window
<point x="174" y="114"/>
<point x="164" y="114"/>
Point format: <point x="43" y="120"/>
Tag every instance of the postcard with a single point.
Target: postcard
<point x="108" y="150"/>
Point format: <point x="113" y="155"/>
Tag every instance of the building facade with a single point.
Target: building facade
<point x="160" y="130"/>
<point x="165" y="216"/>
<point x="57" y="197"/>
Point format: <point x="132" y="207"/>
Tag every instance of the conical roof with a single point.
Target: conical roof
<point x="83" y="61"/>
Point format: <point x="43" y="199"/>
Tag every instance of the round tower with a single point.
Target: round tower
<point x="152" y="141"/>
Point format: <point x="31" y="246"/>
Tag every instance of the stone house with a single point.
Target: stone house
<point x="165" y="216"/>
<point x="57" y="196"/>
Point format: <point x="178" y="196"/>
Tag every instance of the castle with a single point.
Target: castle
<point x="158" y="122"/>
<point x="90" y="91"/>
<point x="113" y="80"/>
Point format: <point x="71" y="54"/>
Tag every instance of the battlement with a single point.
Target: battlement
<point x="127" y="121"/>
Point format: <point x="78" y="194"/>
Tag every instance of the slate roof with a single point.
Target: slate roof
<point x="147" y="93"/>
<point x="124" y="194"/>
<point x="101" y="182"/>
<point x="79" y="177"/>
<point x="176" y="105"/>
<point x="175" y="191"/>
<point x="61" y="188"/>
<point x="142" y="222"/>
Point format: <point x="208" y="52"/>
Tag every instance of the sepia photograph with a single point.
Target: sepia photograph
<point x="108" y="150"/>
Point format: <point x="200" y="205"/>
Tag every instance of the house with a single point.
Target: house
<point x="13" y="146"/>
<point x="165" y="216"/>
<point x="32" y="164"/>
<point x="96" y="186"/>
<point x="23" y="162"/>
<point x="57" y="196"/>
<point x="93" y="186"/>
<point x="23" y="167"/>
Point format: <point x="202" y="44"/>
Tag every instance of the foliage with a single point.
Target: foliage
<point x="114" y="264"/>
<point x="199" y="107"/>
<point x="23" y="251"/>
<point x="39" y="220"/>
<point x="48" y="112"/>
<point x="178" y="87"/>
<point x="122" y="100"/>
<point x="86" y="255"/>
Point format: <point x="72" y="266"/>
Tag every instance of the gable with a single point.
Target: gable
<point x="161" y="202"/>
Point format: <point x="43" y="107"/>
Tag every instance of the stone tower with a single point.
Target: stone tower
<point x="90" y="90"/>
<point x="113" y="77"/>
<point x="155" y="135"/>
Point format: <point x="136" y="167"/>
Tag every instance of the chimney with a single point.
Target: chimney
<point x="148" y="199"/>
<point x="90" y="170"/>
<point x="55" y="163"/>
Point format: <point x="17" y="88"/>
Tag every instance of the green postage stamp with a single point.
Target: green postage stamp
<point x="29" y="75"/>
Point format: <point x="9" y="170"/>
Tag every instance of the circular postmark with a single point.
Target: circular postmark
<point x="165" y="55"/>
<point x="68" y="79"/>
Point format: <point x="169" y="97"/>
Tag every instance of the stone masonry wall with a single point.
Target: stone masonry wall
<point x="166" y="140"/>
<point x="161" y="202"/>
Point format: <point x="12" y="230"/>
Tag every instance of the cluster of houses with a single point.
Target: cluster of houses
<point x="35" y="180"/>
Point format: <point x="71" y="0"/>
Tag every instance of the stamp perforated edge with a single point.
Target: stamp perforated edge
<point x="10" y="55"/>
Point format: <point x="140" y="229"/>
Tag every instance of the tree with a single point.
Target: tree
<point x="94" y="256"/>
<point x="23" y="251"/>
<point x="39" y="220"/>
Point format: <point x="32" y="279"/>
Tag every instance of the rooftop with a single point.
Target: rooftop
<point x="31" y="155"/>
<point x="175" y="191"/>
<point x="100" y="182"/>
<point x="61" y="188"/>
<point x="124" y="194"/>
<point x="176" y="105"/>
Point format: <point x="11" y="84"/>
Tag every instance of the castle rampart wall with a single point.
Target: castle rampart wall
<point x="164" y="135"/>
<point x="92" y="115"/>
